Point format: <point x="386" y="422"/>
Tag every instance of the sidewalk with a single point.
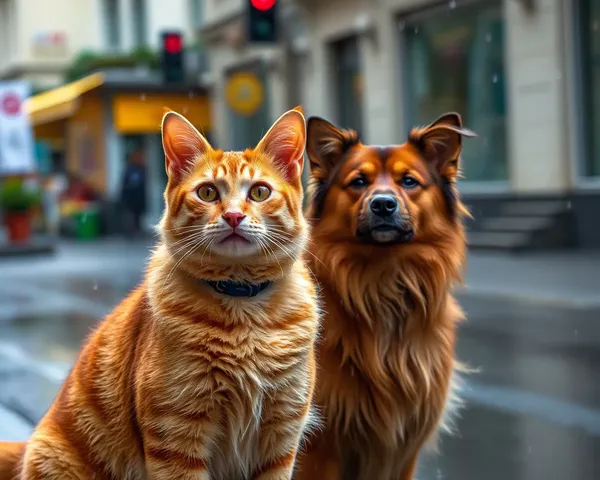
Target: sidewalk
<point x="569" y="279"/>
<point x="563" y="279"/>
<point x="12" y="427"/>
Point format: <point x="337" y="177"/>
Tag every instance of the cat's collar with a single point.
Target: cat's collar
<point x="237" y="289"/>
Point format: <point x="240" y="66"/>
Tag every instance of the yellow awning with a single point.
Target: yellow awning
<point x="62" y="101"/>
<point x="135" y="114"/>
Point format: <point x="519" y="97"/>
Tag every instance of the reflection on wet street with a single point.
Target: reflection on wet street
<point x="532" y="409"/>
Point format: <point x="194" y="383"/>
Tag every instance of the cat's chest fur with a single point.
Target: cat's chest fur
<point x="231" y="376"/>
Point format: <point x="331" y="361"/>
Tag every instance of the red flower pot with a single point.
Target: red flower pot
<point x="18" y="225"/>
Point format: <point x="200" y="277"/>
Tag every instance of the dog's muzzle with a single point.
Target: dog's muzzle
<point x="383" y="222"/>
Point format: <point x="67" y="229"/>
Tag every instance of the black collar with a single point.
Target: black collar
<point x="238" y="289"/>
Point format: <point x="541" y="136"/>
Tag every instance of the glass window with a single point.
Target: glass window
<point x="348" y="83"/>
<point x="112" y="25"/>
<point x="589" y="15"/>
<point x="454" y="61"/>
<point x="140" y="23"/>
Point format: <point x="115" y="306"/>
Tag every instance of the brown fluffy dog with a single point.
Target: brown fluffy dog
<point x="388" y="243"/>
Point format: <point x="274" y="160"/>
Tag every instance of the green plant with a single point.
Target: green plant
<point x="16" y="196"/>
<point x="88" y="61"/>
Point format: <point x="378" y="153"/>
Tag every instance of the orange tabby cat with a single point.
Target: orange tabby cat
<point x="206" y="371"/>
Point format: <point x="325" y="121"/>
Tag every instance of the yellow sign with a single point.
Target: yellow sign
<point x="244" y="93"/>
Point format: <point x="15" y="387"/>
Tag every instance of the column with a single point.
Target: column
<point x="537" y="116"/>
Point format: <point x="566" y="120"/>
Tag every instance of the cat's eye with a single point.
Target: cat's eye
<point x="208" y="193"/>
<point x="259" y="193"/>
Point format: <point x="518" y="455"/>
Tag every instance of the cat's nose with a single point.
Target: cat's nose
<point x="233" y="219"/>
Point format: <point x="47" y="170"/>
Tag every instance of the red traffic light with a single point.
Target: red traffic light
<point x="173" y="43"/>
<point x="263" y="5"/>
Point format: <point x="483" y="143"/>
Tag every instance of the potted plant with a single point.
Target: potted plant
<point x="16" y="202"/>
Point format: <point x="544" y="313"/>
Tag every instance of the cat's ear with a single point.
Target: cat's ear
<point x="284" y="143"/>
<point x="182" y="143"/>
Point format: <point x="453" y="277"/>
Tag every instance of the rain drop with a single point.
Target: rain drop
<point x="416" y="29"/>
<point x="452" y="4"/>
<point x="143" y="97"/>
<point x="95" y="287"/>
<point x="185" y="110"/>
<point x="401" y="25"/>
<point x="488" y="37"/>
<point x="495" y="78"/>
<point x="439" y="474"/>
<point x="569" y="205"/>
<point x="576" y="333"/>
<point x="190" y="94"/>
<point x="529" y="449"/>
<point x="595" y="26"/>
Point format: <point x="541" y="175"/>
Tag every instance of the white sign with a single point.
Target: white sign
<point x="16" y="136"/>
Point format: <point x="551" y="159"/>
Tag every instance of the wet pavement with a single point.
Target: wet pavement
<point x="533" y="406"/>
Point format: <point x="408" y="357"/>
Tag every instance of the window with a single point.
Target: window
<point x="112" y="27"/>
<point x="454" y="61"/>
<point x="140" y="23"/>
<point x="348" y="83"/>
<point x="197" y="13"/>
<point x="589" y="18"/>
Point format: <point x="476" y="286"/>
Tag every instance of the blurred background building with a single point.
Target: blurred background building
<point x="523" y="73"/>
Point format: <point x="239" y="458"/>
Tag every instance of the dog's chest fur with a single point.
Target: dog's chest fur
<point x="380" y="386"/>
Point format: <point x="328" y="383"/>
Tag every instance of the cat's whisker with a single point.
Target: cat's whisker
<point x="186" y="255"/>
<point x="187" y="242"/>
<point x="269" y="252"/>
<point x="290" y="240"/>
<point x="194" y="236"/>
<point x="288" y="253"/>
<point x="212" y="240"/>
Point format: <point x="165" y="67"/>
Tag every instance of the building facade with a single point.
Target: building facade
<point x="524" y="74"/>
<point x="40" y="38"/>
<point x="91" y="126"/>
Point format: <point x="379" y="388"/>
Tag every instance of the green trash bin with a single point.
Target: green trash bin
<point x="87" y="223"/>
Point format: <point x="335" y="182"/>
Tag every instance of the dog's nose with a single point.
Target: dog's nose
<point x="383" y="205"/>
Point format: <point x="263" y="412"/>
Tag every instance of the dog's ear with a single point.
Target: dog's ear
<point x="326" y="145"/>
<point x="440" y="143"/>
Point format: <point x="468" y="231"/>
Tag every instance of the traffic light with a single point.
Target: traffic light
<point x="172" y="57"/>
<point x="262" y="21"/>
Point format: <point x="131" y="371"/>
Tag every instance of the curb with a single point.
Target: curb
<point x="532" y="299"/>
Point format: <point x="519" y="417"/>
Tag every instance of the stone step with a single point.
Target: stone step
<point x="535" y="208"/>
<point x="497" y="240"/>
<point x="516" y="224"/>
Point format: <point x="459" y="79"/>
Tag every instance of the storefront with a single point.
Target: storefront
<point x="100" y="123"/>
<point x="453" y="60"/>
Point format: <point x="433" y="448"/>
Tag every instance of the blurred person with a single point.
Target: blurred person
<point x="133" y="192"/>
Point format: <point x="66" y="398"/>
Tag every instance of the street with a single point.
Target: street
<point x="532" y="406"/>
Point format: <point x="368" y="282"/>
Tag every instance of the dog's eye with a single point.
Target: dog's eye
<point x="409" y="182"/>
<point x="358" y="182"/>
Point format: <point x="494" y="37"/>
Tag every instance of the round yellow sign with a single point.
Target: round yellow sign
<point x="244" y="93"/>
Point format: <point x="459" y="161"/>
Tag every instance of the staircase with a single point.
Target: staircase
<point x="524" y="225"/>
